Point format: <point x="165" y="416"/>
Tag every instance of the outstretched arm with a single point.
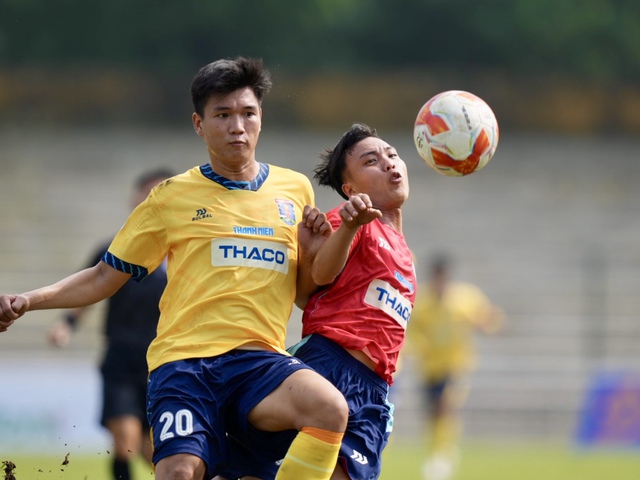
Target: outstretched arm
<point x="332" y="255"/>
<point x="80" y="289"/>
<point x="313" y="231"/>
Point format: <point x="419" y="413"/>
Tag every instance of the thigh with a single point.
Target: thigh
<point x="254" y="452"/>
<point x="304" y="399"/>
<point x="281" y="396"/>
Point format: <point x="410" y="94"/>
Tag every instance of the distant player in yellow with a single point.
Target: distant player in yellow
<point x="445" y="318"/>
<point x="239" y="236"/>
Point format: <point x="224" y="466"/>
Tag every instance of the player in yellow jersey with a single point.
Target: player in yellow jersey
<point x="239" y="236"/>
<point x="445" y="317"/>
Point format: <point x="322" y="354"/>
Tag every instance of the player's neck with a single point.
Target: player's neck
<point x="244" y="171"/>
<point x="392" y="218"/>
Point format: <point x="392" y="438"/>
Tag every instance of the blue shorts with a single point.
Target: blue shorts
<point x="368" y="429"/>
<point x="188" y="401"/>
<point x="435" y="390"/>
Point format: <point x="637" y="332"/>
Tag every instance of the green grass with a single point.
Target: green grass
<point x="402" y="461"/>
<point x="80" y="467"/>
<point x="519" y="461"/>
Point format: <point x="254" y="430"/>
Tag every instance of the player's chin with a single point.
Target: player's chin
<point x="401" y="190"/>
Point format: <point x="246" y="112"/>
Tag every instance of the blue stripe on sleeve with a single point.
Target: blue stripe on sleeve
<point x="137" y="272"/>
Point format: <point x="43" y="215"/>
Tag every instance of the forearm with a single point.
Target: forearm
<point x="78" y="290"/>
<point x="305" y="286"/>
<point x="332" y="256"/>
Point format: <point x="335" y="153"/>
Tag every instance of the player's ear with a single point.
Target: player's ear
<point x="197" y="123"/>
<point x="348" y="189"/>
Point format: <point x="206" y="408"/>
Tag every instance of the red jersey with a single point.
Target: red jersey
<point x="368" y="305"/>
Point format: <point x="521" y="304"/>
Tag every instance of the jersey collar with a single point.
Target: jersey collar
<point x="253" y="185"/>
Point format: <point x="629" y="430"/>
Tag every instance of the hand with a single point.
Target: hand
<point x="358" y="210"/>
<point x="313" y="230"/>
<point x="12" y="307"/>
<point x="60" y="334"/>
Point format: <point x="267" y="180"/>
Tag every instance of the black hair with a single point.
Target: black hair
<point x="228" y="75"/>
<point x="147" y="176"/>
<point x="330" y="172"/>
<point x="440" y="263"/>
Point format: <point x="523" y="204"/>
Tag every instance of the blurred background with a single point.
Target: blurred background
<point x="93" y="93"/>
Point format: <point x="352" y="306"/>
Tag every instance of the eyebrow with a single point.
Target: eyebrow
<point x="375" y="150"/>
<point x="245" y="107"/>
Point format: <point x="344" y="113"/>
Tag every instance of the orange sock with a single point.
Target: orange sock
<point x="324" y="435"/>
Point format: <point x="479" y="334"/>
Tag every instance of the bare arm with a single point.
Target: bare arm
<point x="332" y="255"/>
<point x="313" y="231"/>
<point x="78" y="290"/>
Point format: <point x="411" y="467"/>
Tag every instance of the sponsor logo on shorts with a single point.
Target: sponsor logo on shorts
<point x="360" y="458"/>
<point x="239" y="252"/>
<point x="383" y="296"/>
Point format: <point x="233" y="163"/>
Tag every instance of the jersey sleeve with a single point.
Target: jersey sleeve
<point x="140" y="246"/>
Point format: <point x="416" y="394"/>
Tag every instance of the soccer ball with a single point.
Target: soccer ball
<point x="456" y="133"/>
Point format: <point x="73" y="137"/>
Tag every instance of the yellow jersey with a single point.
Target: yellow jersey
<point x="441" y="331"/>
<point x="232" y="255"/>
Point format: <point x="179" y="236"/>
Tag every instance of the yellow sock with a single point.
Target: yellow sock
<point x="312" y="455"/>
<point x="446" y="435"/>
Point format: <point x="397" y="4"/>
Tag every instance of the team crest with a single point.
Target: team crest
<point x="287" y="212"/>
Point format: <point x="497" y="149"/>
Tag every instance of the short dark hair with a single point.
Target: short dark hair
<point x="226" y="76"/>
<point x="157" y="174"/>
<point x="440" y="263"/>
<point x="330" y="172"/>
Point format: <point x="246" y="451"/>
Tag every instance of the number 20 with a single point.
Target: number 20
<point x="183" y="424"/>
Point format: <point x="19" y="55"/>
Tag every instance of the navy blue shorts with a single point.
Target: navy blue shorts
<point x="435" y="390"/>
<point x="124" y="383"/>
<point x="368" y="429"/>
<point x="188" y="400"/>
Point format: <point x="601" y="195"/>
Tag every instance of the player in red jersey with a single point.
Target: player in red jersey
<point x="354" y="325"/>
<point x="369" y="281"/>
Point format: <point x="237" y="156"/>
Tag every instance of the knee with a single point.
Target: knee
<point x="180" y="467"/>
<point x="331" y="412"/>
<point x="177" y="473"/>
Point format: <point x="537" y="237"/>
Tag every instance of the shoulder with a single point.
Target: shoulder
<point x="172" y="187"/>
<point x="465" y="288"/>
<point x="288" y="175"/>
<point x="468" y="293"/>
<point x="194" y="174"/>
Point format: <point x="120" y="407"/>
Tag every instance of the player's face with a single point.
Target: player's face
<point x="230" y="127"/>
<point x="375" y="168"/>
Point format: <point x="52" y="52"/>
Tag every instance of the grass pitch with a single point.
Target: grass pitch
<point x="519" y="461"/>
<point x="402" y="461"/>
